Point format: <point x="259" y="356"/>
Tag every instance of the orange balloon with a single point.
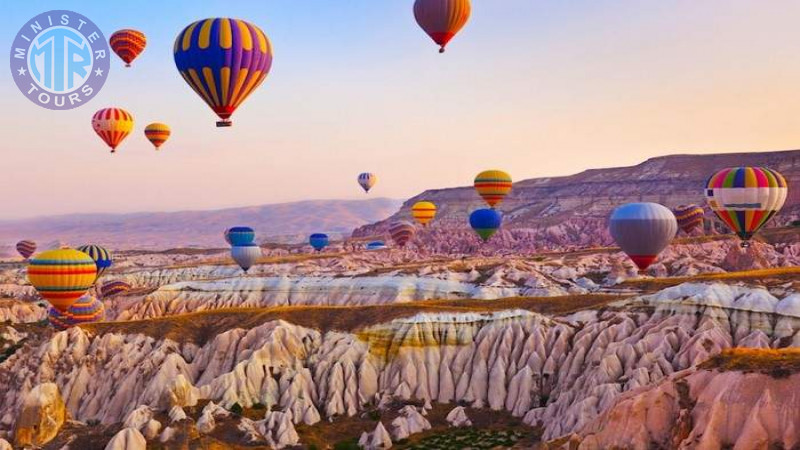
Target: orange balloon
<point x="442" y="19"/>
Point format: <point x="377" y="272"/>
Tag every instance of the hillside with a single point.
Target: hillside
<point x="281" y="222"/>
<point x="578" y="205"/>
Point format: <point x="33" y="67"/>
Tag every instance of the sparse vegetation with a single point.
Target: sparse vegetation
<point x="778" y="363"/>
<point x="348" y="444"/>
<point x="472" y="438"/>
<point x="237" y="409"/>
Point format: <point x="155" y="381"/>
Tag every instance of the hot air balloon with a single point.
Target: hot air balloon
<point x="401" y="232"/>
<point x="62" y="276"/>
<point x="246" y="255"/>
<point x="642" y="231"/>
<point x="746" y="198"/>
<point x="127" y="44"/>
<point x="485" y="222"/>
<point x="26" y="248"/>
<point x="442" y="19"/>
<point x="157" y="133"/>
<point x="57" y="319"/>
<point x="87" y="309"/>
<point x="376" y="245"/>
<point x="115" y="287"/>
<point x="318" y="241"/>
<point x="240" y="236"/>
<point x="689" y="217"/>
<point x="493" y="186"/>
<point x="423" y="212"/>
<point x="102" y="257"/>
<point x="367" y="181"/>
<point x="112" y="125"/>
<point x="224" y="61"/>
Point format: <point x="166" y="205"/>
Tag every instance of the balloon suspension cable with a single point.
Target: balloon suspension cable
<point x="224" y="123"/>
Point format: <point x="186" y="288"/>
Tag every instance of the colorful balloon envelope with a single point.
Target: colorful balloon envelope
<point x="224" y="61"/>
<point x="376" y="245"/>
<point x="423" y="212"/>
<point x="367" y="180"/>
<point x="113" y="125"/>
<point x="62" y="276"/>
<point x="402" y="232"/>
<point x="128" y="44"/>
<point x="642" y="231"/>
<point x="57" y="319"/>
<point x="246" y="255"/>
<point x="157" y="133"/>
<point x="746" y="198"/>
<point x="87" y="309"/>
<point x="115" y="287"/>
<point x="26" y="248"/>
<point x="442" y="19"/>
<point x="101" y="256"/>
<point x="689" y="217"/>
<point x="493" y="186"/>
<point x="485" y="222"/>
<point x="318" y="241"/>
<point x="240" y="236"/>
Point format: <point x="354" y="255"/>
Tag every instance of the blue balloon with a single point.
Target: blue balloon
<point x="376" y="245"/>
<point x="240" y="236"/>
<point x="318" y="241"/>
<point x="485" y="222"/>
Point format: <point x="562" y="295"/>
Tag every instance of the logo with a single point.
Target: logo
<point x="60" y="59"/>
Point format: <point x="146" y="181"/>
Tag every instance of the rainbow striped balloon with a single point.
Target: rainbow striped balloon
<point x="62" y="276"/>
<point x="423" y="212"/>
<point x="102" y="257"/>
<point x="493" y="186"/>
<point x="111" y="288"/>
<point x="157" y="133"/>
<point x="401" y="232"/>
<point x="127" y="44"/>
<point x="57" y="319"/>
<point x="26" y="248"/>
<point x="224" y="61"/>
<point x="87" y="309"/>
<point x="689" y="217"/>
<point x="112" y="125"/>
<point x="746" y="198"/>
<point x="442" y="19"/>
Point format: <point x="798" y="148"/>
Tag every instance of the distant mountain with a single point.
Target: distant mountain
<point x="278" y="222"/>
<point x="575" y="208"/>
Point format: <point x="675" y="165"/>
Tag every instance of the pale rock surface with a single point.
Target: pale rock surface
<point x="41" y="416"/>
<point x="276" y="429"/>
<point x="377" y="439"/>
<point x="127" y="439"/>
<point x="409" y="422"/>
<point x="457" y="417"/>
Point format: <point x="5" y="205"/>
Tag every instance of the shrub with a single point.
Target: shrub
<point x="259" y="406"/>
<point x="349" y="444"/>
<point x="237" y="409"/>
<point x="374" y="415"/>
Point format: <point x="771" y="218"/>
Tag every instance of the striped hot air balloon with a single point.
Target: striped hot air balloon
<point x="485" y="222"/>
<point x="57" y="319"/>
<point x="642" y="231"/>
<point x="112" y="125"/>
<point x="62" y="276"/>
<point x="115" y="287"/>
<point x="442" y="19"/>
<point x="26" y="248"/>
<point x="127" y="44"/>
<point x="318" y="241"/>
<point x="157" y="133"/>
<point x="87" y="309"/>
<point x="746" y="198"/>
<point x="101" y="256"/>
<point x="493" y="186"/>
<point x="423" y="212"/>
<point x="224" y="61"/>
<point x="367" y="180"/>
<point x="689" y="217"/>
<point x="401" y="232"/>
<point x="246" y="255"/>
<point x="240" y="235"/>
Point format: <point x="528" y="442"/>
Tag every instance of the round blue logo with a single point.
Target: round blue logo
<point x="60" y="59"/>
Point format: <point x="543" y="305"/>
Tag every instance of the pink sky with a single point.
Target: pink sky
<point x="536" y="88"/>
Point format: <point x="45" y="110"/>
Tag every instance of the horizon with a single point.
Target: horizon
<point x="581" y="81"/>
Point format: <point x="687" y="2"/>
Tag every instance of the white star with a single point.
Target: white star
<point x="21" y="71"/>
<point x="99" y="72"/>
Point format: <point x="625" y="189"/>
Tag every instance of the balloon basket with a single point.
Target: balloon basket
<point x="745" y="244"/>
<point x="224" y="123"/>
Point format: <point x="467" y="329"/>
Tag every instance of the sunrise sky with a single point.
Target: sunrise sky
<point x="538" y="88"/>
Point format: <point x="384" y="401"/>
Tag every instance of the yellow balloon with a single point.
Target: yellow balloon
<point x="62" y="276"/>
<point x="423" y="212"/>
